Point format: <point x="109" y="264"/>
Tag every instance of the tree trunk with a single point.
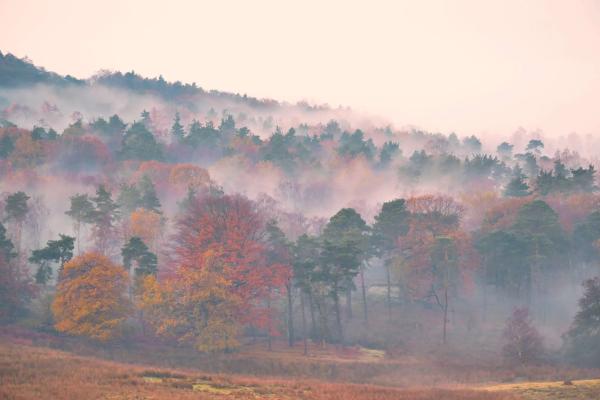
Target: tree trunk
<point x="389" y="290"/>
<point x="323" y="330"/>
<point x="304" y="338"/>
<point x="313" y="319"/>
<point x="338" y="319"/>
<point x="445" y="313"/>
<point x="78" y="235"/>
<point x="349" y="303"/>
<point x="364" y="294"/>
<point x="291" y="338"/>
<point x="269" y="339"/>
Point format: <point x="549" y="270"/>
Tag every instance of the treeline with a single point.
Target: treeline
<point x="444" y="160"/>
<point x="229" y="270"/>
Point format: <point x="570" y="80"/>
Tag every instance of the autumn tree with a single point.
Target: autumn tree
<point x="198" y="305"/>
<point x="523" y="343"/>
<point x="231" y="229"/>
<point x="91" y="298"/>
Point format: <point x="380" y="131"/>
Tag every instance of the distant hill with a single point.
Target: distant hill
<point x="19" y="72"/>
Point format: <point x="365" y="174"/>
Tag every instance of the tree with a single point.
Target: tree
<point x="129" y="198"/>
<point x="103" y="216"/>
<point x="136" y="253"/>
<point x="15" y="290"/>
<point x="278" y="257"/>
<point x="388" y="151"/>
<point x="16" y="209"/>
<point x="472" y="144"/>
<point x="538" y="226"/>
<point x="390" y="224"/>
<point x="230" y="228"/>
<point x="58" y="251"/>
<point x="139" y="144"/>
<point x="517" y="186"/>
<point x="149" y="199"/>
<point x="90" y="299"/>
<point x="198" y="305"/>
<point x="446" y="273"/>
<point x="343" y="247"/>
<point x="535" y="145"/>
<point x="305" y="261"/>
<point x="147" y="225"/>
<point x="505" y="261"/>
<point x="177" y="129"/>
<point x="505" y="150"/>
<point x="583" y="179"/>
<point x="583" y="338"/>
<point x="585" y="238"/>
<point x="523" y="343"/>
<point x="354" y="144"/>
<point x="82" y="212"/>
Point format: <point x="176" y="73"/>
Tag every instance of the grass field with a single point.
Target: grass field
<point x="588" y="389"/>
<point x="28" y="372"/>
<point x="33" y="371"/>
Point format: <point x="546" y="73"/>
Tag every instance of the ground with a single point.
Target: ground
<point x="31" y="370"/>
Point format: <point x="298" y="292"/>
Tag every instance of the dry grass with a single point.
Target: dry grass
<point x="29" y="372"/>
<point x="575" y="390"/>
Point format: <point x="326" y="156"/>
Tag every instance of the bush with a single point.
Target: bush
<point x="523" y="341"/>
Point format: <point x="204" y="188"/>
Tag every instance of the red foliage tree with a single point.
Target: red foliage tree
<point x="231" y="228"/>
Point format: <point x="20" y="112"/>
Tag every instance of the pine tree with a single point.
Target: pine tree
<point x="135" y="252"/>
<point x="82" y="212"/>
<point x="177" y="129"/>
<point x="104" y="215"/>
<point x="58" y="251"/>
<point x="517" y="186"/>
<point x="149" y="199"/>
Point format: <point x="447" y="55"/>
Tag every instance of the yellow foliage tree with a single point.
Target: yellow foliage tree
<point x="91" y="298"/>
<point x="197" y="306"/>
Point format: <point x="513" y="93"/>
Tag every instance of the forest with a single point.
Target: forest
<point x="136" y="211"/>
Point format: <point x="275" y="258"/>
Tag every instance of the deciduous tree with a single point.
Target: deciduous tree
<point x="91" y="298"/>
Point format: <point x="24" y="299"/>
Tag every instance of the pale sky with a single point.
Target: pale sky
<point x="473" y="67"/>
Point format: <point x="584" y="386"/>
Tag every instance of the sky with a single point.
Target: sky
<point x="471" y="67"/>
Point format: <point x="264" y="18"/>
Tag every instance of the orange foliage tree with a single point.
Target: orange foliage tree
<point x="91" y="298"/>
<point x="197" y="305"/>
